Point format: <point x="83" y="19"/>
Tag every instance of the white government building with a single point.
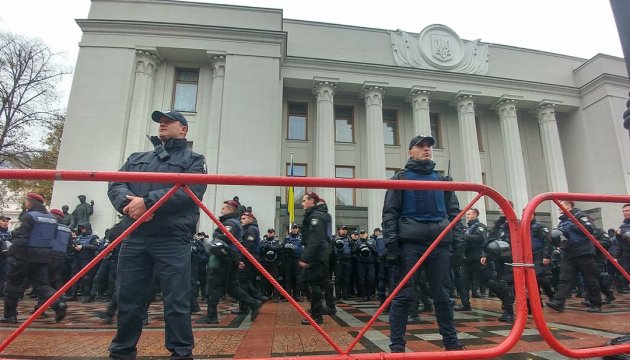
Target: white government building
<point x="345" y="100"/>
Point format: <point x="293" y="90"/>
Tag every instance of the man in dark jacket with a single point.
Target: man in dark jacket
<point x="161" y="244"/>
<point x="412" y="220"/>
<point x="623" y="236"/>
<point x="315" y="256"/>
<point x="31" y="252"/>
<point x="577" y="253"/>
<point x="224" y="264"/>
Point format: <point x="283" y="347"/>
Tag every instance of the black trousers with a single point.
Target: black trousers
<point x="139" y="258"/>
<point x="568" y="267"/>
<point x="19" y="271"/>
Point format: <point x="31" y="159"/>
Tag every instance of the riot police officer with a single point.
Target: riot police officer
<point x="247" y="275"/>
<point x="623" y="236"/>
<point x="31" y="251"/>
<point x="365" y="253"/>
<point x="270" y="259"/>
<point x="342" y="255"/>
<point x="5" y="244"/>
<point x="541" y="253"/>
<point x="224" y="264"/>
<point x="577" y="253"/>
<point x="85" y="245"/>
<point x="293" y="249"/>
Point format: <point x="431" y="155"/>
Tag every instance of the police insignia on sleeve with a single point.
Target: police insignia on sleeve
<point x="229" y="228"/>
<point x="481" y="229"/>
<point x="250" y="238"/>
<point x="314" y="221"/>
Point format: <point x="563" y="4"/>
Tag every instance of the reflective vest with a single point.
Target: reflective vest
<point x="44" y="231"/>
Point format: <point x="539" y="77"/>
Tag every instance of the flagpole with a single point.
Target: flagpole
<point x="291" y="197"/>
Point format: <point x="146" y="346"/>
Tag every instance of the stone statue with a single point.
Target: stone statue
<point x="82" y="212"/>
<point x="67" y="217"/>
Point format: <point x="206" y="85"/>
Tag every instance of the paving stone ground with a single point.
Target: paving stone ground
<point x="277" y="332"/>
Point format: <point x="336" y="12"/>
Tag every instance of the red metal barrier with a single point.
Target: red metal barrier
<point x="530" y="274"/>
<point x="180" y="179"/>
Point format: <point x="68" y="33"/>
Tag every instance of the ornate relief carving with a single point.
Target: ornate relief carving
<point x="440" y="48"/>
<point x="373" y="95"/>
<point x="506" y="108"/>
<point x="420" y="100"/>
<point x="324" y="91"/>
<point x="466" y="104"/>
<point x="546" y="113"/>
<point x="146" y="62"/>
<point x="218" y="66"/>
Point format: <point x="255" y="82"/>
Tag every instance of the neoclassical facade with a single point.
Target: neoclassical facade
<point x="344" y="101"/>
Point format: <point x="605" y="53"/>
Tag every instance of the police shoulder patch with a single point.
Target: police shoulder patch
<point x="314" y="221"/>
<point x="481" y="228"/>
<point x="250" y="238"/>
<point x="229" y="228"/>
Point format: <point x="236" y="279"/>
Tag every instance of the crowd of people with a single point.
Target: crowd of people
<point x="167" y="258"/>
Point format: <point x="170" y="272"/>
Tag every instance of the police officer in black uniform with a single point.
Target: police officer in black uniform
<point x="5" y="244"/>
<point x="31" y="251"/>
<point x="365" y="253"/>
<point x="314" y="259"/>
<point x="198" y="262"/>
<point x="58" y="250"/>
<point x="342" y="255"/>
<point x="270" y="259"/>
<point x="623" y="237"/>
<point x="224" y="264"/>
<point x="412" y="220"/>
<point x="496" y="255"/>
<point x="577" y="253"/>
<point x="161" y="245"/>
<point x="475" y="236"/>
<point x="247" y="276"/>
<point x="541" y="253"/>
<point x="292" y="252"/>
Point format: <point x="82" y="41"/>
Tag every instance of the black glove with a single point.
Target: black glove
<point x="392" y="255"/>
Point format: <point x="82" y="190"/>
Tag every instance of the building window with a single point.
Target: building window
<point x="390" y="172"/>
<point x="345" y="196"/>
<point x="344" y="124"/>
<point x="299" y="170"/>
<point x="296" y="123"/>
<point x="479" y="139"/>
<point x="185" y="94"/>
<point x="390" y="127"/>
<point x="436" y="129"/>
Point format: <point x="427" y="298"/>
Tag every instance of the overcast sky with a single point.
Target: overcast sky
<point x="581" y="28"/>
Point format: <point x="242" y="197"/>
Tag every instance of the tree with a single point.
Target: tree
<point x="28" y="92"/>
<point x="42" y="159"/>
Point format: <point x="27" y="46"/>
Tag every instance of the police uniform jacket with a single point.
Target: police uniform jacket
<point x="398" y="228"/>
<point x="541" y="241"/>
<point x="22" y="234"/>
<point x="314" y="236"/>
<point x="251" y="239"/>
<point x="578" y="243"/>
<point x="624" y="241"/>
<point x="475" y="237"/>
<point x="179" y="215"/>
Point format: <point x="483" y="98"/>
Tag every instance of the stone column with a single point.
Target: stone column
<point x="470" y="150"/>
<point x="210" y="131"/>
<point x="139" y="113"/>
<point x="375" y="146"/>
<point x="325" y="141"/>
<point x="552" y="152"/>
<point x="514" y="163"/>
<point x="421" y="117"/>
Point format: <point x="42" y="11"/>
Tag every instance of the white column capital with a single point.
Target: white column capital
<point x="465" y="104"/>
<point x="146" y="62"/>
<point x="419" y="99"/>
<point x="325" y="91"/>
<point x="546" y="113"/>
<point x="373" y="96"/>
<point x="218" y="66"/>
<point x="506" y="108"/>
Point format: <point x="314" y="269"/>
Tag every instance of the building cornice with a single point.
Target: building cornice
<point x="604" y="79"/>
<point x="146" y="28"/>
<point x="424" y="75"/>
